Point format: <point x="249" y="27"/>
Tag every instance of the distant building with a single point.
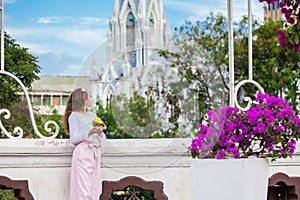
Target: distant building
<point x="136" y="30"/>
<point x="272" y="11"/>
<point x="52" y="92"/>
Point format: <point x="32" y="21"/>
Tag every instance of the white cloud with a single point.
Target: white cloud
<point x="93" y="20"/>
<point x="34" y="47"/>
<point x="58" y="39"/>
<point x="86" y="37"/>
<point x="52" y="20"/>
<point x="71" y="20"/>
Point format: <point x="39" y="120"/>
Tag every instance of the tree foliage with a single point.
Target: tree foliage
<point x="135" y="117"/>
<point x="113" y="131"/>
<point x="21" y="64"/>
<point x="276" y="68"/>
<point x="129" y="118"/>
<point x="201" y="57"/>
<point x="7" y="194"/>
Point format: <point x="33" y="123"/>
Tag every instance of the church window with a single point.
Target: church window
<point x="130" y="33"/>
<point x="151" y="20"/>
<point x="130" y="20"/>
<point x="109" y="78"/>
<point x="109" y="96"/>
<point x="132" y="60"/>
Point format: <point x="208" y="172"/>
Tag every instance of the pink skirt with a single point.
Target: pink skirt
<point x="85" y="172"/>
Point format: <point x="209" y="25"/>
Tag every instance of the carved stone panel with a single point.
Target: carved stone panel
<point x="20" y="187"/>
<point x="109" y="186"/>
<point x="283" y="187"/>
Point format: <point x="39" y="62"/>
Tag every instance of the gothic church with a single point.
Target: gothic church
<point x="136" y="30"/>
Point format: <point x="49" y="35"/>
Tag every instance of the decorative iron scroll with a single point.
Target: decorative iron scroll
<point x="18" y="130"/>
<point x="248" y="99"/>
<point x="234" y="89"/>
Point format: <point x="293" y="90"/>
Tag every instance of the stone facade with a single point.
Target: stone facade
<point x="136" y="30"/>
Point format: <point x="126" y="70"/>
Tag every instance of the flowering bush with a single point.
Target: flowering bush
<point x="269" y="128"/>
<point x="289" y="36"/>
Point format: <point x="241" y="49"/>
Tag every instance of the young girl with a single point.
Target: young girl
<point x="85" y="168"/>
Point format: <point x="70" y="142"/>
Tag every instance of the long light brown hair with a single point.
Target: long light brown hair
<point x="75" y="103"/>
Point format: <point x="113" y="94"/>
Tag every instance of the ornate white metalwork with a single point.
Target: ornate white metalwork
<point x="247" y="99"/>
<point x="19" y="130"/>
<point x="233" y="91"/>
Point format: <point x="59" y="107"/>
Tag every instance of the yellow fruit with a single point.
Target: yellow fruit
<point x="97" y="122"/>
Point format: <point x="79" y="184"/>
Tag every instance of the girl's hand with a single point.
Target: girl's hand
<point x="98" y="130"/>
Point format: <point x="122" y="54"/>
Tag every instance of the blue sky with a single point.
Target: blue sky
<point x="64" y="33"/>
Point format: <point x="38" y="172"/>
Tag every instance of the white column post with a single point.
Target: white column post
<point x="250" y="39"/>
<point x="231" y="53"/>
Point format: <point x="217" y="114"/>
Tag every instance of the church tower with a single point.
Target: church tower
<point x="136" y="30"/>
<point x="137" y="27"/>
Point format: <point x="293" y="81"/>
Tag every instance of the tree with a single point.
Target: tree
<point x="113" y="131"/>
<point x="134" y="117"/>
<point x="20" y="63"/>
<point x="24" y="66"/>
<point x="7" y="194"/>
<point x="201" y="57"/>
<point x="131" y="118"/>
<point x="281" y="65"/>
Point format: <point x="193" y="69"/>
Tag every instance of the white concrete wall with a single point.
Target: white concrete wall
<point x="46" y="164"/>
<point x="165" y="160"/>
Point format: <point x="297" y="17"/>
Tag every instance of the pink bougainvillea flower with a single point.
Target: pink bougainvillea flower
<point x="256" y="132"/>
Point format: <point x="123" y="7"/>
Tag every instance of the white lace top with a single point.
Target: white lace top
<point x="79" y="125"/>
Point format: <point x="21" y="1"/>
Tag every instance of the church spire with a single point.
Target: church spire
<point x="142" y="9"/>
<point x="116" y="8"/>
